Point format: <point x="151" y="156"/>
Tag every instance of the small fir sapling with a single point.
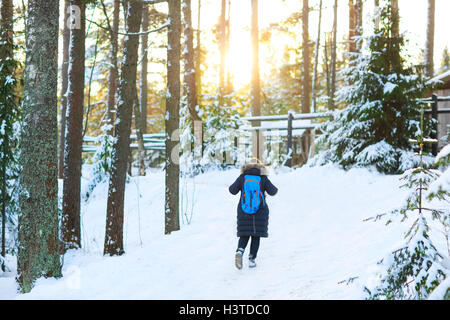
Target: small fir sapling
<point x="415" y="269"/>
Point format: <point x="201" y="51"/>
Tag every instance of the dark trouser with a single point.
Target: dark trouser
<point x="254" y="246"/>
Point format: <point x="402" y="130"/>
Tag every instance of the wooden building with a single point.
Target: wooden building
<point x="443" y="90"/>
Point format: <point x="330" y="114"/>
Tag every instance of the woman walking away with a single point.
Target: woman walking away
<point x="252" y="211"/>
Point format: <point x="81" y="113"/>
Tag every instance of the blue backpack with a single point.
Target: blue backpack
<point x="251" y="194"/>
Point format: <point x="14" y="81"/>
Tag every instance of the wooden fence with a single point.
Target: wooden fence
<point x="290" y="117"/>
<point x="155" y="141"/>
<point x="152" y="141"/>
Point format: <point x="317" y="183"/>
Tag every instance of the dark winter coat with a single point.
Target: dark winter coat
<point x="253" y="224"/>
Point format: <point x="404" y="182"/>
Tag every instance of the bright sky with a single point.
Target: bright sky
<point x="413" y="22"/>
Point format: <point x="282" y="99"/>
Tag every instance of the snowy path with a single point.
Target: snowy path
<point x="316" y="239"/>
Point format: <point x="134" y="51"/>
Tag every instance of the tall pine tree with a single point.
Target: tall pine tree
<point x="38" y="251"/>
<point x="70" y="224"/>
<point x="126" y="101"/>
<point x="172" y="170"/>
<point x="382" y="112"/>
<point x="9" y="115"/>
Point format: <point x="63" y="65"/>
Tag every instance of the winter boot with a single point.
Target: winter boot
<point x="251" y="262"/>
<point x="238" y="258"/>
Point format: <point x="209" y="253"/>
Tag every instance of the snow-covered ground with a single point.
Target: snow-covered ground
<point x="317" y="238"/>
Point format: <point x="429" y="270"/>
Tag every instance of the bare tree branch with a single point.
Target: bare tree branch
<point x="132" y="33"/>
<point x="110" y="29"/>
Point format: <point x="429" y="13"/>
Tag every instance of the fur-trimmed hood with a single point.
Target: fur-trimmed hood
<point x="250" y="165"/>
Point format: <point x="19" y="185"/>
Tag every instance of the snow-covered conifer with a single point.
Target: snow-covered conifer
<point x="416" y="268"/>
<point x="381" y="110"/>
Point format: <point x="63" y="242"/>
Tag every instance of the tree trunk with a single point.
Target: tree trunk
<point x="327" y="63"/>
<point x="3" y="191"/>
<point x="38" y="249"/>
<point x="394" y="40"/>
<point x="229" y="85"/>
<point x="130" y="162"/>
<point x="376" y="11"/>
<point x="429" y="48"/>
<point x="306" y="77"/>
<point x="359" y="22"/>
<point x="395" y="19"/>
<point x="190" y="69"/>
<point x="64" y="78"/>
<point x="172" y="177"/>
<point x="355" y="24"/>
<point x="189" y="65"/>
<point x="6" y="54"/>
<point x="126" y="101"/>
<point x="113" y="69"/>
<point x="255" y="94"/>
<point x="140" y="139"/>
<point x="222" y="48"/>
<point x="140" y="110"/>
<point x="351" y="25"/>
<point x="6" y="24"/>
<point x="316" y="60"/>
<point x="198" y="58"/>
<point x="70" y="224"/>
<point x="143" y="76"/>
<point x="255" y="88"/>
<point x="333" y="57"/>
<point x="306" y="66"/>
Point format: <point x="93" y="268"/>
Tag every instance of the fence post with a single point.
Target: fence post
<point x="434" y="115"/>
<point x="289" y="139"/>
<point x="312" y="147"/>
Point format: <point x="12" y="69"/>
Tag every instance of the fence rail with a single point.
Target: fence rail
<point x="440" y="111"/>
<point x="304" y="127"/>
<point x="152" y="141"/>
<point x="297" y="116"/>
<point x="431" y="99"/>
